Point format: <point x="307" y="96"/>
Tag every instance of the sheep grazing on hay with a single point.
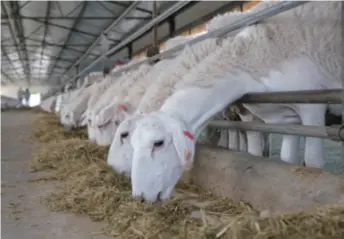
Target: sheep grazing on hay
<point x="48" y="104"/>
<point x="113" y="114"/>
<point x="75" y="114"/>
<point x="67" y="105"/>
<point x="118" y="92"/>
<point x="110" y="117"/>
<point x="273" y="56"/>
<point x="120" y="152"/>
<point x="98" y="88"/>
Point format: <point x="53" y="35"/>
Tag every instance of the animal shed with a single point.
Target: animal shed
<point x="226" y="194"/>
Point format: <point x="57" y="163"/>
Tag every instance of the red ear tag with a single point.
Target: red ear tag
<point x="187" y="134"/>
<point x="123" y="107"/>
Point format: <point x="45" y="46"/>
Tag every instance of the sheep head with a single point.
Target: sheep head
<point x="162" y="149"/>
<point x="121" y="152"/>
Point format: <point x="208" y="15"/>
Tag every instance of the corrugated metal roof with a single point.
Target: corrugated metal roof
<point x="41" y="40"/>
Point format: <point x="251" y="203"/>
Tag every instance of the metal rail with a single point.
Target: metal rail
<point x="333" y="96"/>
<point x="335" y="133"/>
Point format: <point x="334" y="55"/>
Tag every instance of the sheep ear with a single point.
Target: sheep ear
<point x="125" y="108"/>
<point x="184" y="143"/>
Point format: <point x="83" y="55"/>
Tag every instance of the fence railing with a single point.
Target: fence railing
<point x="334" y="132"/>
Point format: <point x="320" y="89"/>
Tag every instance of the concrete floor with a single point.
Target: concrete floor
<point x="21" y="216"/>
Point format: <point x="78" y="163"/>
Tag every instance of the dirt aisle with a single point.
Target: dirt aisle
<point x="21" y="216"/>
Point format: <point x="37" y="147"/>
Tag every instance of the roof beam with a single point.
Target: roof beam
<point x="82" y="52"/>
<point x="46" y="43"/>
<point x="111" y="26"/>
<point x="52" y="44"/>
<point x="46" y="28"/>
<point x="118" y="3"/>
<point x="20" y="32"/>
<point x="41" y="68"/>
<point x="73" y="29"/>
<point x="42" y="18"/>
<point x="13" y="30"/>
<point x="9" y="60"/>
<point x="7" y="77"/>
<point x="76" y="22"/>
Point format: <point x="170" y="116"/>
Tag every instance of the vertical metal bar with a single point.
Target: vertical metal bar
<point x="155" y="28"/>
<point x="77" y="68"/>
<point x="172" y="26"/>
<point x="342" y="75"/>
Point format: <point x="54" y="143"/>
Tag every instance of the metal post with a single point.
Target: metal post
<point x="130" y="50"/>
<point x="77" y="70"/>
<point x="172" y="26"/>
<point x="155" y="28"/>
<point x="342" y="75"/>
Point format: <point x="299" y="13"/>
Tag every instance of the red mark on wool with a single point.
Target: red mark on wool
<point x="187" y="134"/>
<point x="123" y="107"/>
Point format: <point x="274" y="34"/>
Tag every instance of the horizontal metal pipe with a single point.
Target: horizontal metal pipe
<point x="241" y="23"/>
<point x="335" y="133"/>
<point x="333" y="96"/>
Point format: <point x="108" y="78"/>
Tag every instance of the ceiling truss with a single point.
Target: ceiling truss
<point x="40" y="53"/>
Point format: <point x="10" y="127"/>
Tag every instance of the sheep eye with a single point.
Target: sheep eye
<point x="124" y="135"/>
<point x="158" y="143"/>
<point x="116" y="122"/>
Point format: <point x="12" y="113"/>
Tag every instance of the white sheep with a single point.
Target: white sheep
<point x="270" y="113"/>
<point x="273" y="56"/>
<point x="115" y="112"/>
<point x="98" y="88"/>
<point x="154" y="97"/>
<point x="105" y="131"/>
<point x="112" y="115"/>
<point x="48" y="104"/>
<point x="66" y="104"/>
<point x="77" y="109"/>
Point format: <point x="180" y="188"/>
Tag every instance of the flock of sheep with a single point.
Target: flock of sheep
<point x="153" y="114"/>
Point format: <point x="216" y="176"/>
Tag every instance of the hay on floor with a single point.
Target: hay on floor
<point x="92" y="188"/>
<point x="48" y="128"/>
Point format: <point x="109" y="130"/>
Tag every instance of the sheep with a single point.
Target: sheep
<point x="120" y="152"/>
<point x="154" y="97"/>
<point x="48" y="104"/>
<point x="67" y="103"/>
<point x="98" y="88"/>
<point x="111" y="116"/>
<point x="273" y="56"/>
<point x="78" y="108"/>
<point x="114" y="114"/>
<point x="278" y="113"/>
<point x="104" y="136"/>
